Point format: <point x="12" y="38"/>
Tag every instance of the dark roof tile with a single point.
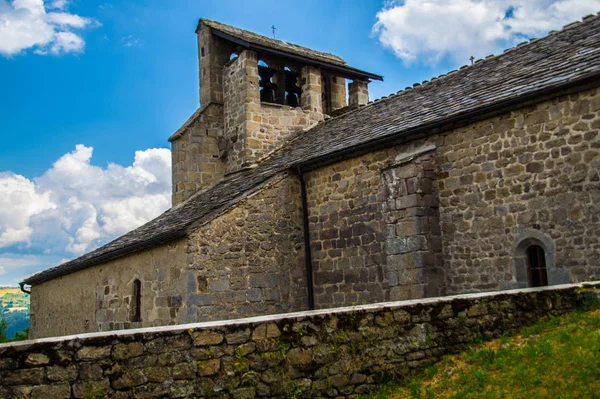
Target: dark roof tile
<point x="265" y="41"/>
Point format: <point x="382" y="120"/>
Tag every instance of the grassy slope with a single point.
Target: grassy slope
<point x="557" y="358"/>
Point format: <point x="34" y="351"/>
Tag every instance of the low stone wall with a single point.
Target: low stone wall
<point x="340" y="352"/>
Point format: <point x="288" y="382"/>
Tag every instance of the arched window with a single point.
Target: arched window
<point x="136" y="302"/>
<point x="536" y="266"/>
<point x="533" y="262"/>
<point x="267" y="87"/>
<point x="292" y="87"/>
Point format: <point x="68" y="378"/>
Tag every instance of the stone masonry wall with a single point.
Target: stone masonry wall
<point x="338" y="353"/>
<point x="533" y="172"/>
<point x="99" y="298"/>
<point x="196" y="157"/>
<point x="347" y="232"/>
<point x="413" y="247"/>
<point x="253" y="129"/>
<point x="247" y="261"/>
<point x="250" y="260"/>
<point x="529" y="174"/>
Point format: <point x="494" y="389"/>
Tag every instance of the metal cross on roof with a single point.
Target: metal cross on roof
<point x="273" y="27"/>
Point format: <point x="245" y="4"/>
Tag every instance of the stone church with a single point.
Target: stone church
<point x="291" y="191"/>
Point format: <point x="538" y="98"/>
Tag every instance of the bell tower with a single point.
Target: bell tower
<point x="256" y="93"/>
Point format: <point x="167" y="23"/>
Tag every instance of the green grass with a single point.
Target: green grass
<point x="557" y="358"/>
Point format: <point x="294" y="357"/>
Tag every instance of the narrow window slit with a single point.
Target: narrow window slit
<point x="136" y="302"/>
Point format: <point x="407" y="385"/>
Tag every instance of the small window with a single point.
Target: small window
<point x="536" y="266"/>
<point x="292" y="88"/>
<point x="268" y="89"/>
<point x="326" y="95"/>
<point x="202" y="51"/>
<point x="136" y="302"/>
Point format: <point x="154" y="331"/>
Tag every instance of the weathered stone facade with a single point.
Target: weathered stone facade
<point x="99" y="299"/>
<point x="197" y="155"/>
<point x="250" y="260"/>
<point x="342" y="353"/>
<point x="254" y="129"/>
<point x="234" y="128"/>
<point x="534" y="169"/>
<point x="443" y="214"/>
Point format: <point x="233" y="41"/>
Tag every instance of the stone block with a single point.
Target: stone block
<point x="57" y="391"/>
<point x="127" y="351"/>
<point x="93" y="353"/>
<point x="169" y="344"/>
<point x="208" y="367"/>
<point x="157" y="374"/>
<point x="201" y="300"/>
<point x="401" y="245"/>
<point x="36" y="359"/>
<point x="130" y="379"/>
<point x="265" y="331"/>
<point x="58" y="373"/>
<point x="184" y="371"/>
<point x="34" y="376"/>
<point x="267" y="280"/>
<point x="238" y="337"/>
<point x="90" y="371"/>
<point x="300" y="356"/>
<point x="206" y="338"/>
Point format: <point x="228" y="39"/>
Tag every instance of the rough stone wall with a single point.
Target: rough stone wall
<point x="253" y="129"/>
<point x="374" y="226"/>
<point x="98" y="298"/>
<point x="213" y="53"/>
<point x="414" y="261"/>
<point x="238" y="74"/>
<point x="358" y="93"/>
<point x="247" y="261"/>
<point x="250" y="260"/>
<point x="196" y="157"/>
<point x="347" y="232"/>
<point x="534" y="170"/>
<point x="342" y="353"/>
<point x="530" y="174"/>
<point x="334" y="92"/>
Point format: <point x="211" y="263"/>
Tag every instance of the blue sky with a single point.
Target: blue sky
<point x="91" y="90"/>
<point x="121" y="99"/>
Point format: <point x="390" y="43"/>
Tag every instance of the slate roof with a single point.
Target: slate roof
<point x="265" y="41"/>
<point x="559" y="60"/>
<point x="265" y="44"/>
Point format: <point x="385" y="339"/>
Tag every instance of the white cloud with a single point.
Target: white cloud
<point x="76" y="206"/>
<point x="131" y="41"/>
<point x="427" y="31"/>
<point x="26" y="24"/>
<point x="18" y="203"/>
<point x="65" y="19"/>
<point x="59" y="4"/>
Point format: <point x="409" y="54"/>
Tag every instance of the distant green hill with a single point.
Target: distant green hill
<point x="14" y="308"/>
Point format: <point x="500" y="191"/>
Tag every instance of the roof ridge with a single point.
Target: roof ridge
<point x="334" y="57"/>
<point x="417" y="85"/>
